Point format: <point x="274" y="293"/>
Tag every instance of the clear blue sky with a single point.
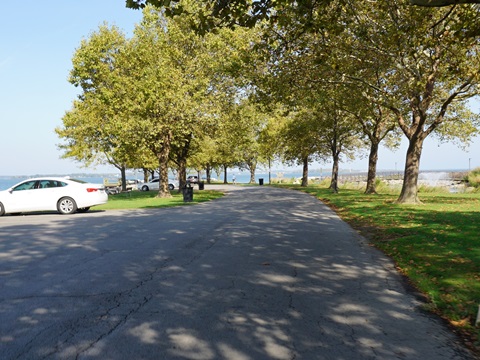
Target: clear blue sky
<point x="38" y="39"/>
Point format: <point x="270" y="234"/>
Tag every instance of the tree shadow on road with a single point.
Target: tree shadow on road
<point x="276" y="275"/>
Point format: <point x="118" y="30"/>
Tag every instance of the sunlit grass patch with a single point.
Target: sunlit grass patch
<point x="149" y="199"/>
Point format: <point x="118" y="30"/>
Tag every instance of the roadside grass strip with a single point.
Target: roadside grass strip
<point x="149" y="199"/>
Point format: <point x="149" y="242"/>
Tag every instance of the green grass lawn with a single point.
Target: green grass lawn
<point x="149" y="199"/>
<point x="435" y="244"/>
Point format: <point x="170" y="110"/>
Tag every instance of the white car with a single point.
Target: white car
<point x="192" y="179"/>
<point x="154" y="185"/>
<point x="64" y="195"/>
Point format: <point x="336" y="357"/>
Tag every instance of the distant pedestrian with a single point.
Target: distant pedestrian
<point x="234" y="179"/>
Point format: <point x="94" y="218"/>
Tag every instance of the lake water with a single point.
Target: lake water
<point x="241" y="177"/>
<point x="6" y="182"/>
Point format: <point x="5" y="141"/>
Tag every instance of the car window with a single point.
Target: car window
<point x="43" y="184"/>
<point x="155" y="180"/>
<point x="27" y="185"/>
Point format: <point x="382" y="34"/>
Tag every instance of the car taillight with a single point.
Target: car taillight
<point x="92" y="189"/>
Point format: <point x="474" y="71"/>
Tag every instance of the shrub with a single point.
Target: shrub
<point x="432" y="189"/>
<point x="382" y="186"/>
<point x="473" y="178"/>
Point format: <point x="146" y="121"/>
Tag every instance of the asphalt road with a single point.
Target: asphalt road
<point x="262" y="273"/>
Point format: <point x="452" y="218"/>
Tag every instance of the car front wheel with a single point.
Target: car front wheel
<point x="144" y="188"/>
<point x="171" y="187"/>
<point x="2" y="209"/>
<point x="66" y="205"/>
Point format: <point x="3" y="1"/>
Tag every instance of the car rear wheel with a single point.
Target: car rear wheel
<point x="144" y="188"/>
<point x="2" y="209"/>
<point x="83" y="210"/>
<point x="66" y="205"/>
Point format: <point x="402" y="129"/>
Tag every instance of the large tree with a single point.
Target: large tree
<point x="249" y="120"/>
<point x="430" y="79"/>
<point x="155" y="93"/>
<point x="348" y="59"/>
<point x="302" y="141"/>
<point x="166" y="85"/>
<point x="94" y="129"/>
<point x="308" y="66"/>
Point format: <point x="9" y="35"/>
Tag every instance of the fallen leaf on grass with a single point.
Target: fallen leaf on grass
<point x="461" y="323"/>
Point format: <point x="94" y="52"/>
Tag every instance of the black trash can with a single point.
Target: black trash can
<point x="187" y="194"/>
<point x="201" y="185"/>
<point x="260" y="181"/>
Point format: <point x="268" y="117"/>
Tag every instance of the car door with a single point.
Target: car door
<point x="46" y="196"/>
<point x="155" y="184"/>
<point x="23" y="197"/>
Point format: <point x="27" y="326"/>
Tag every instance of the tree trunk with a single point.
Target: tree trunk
<point x="163" y="158"/>
<point x="225" y="175"/>
<point x="305" y="172"/>
<point x="182" y="174"/>
<point x="145" y="175"/>
<point x="372" y="169"/>
<point x="334" y="183"/>
<point x="163" y="191"/>
<point x="180" y="157"/>
<point x="208" y="174"/>
<point x="409" y="193"/>
<point x="252" y="174"/>
<point x="251" y="165"/>
<point x="123" y="172"/>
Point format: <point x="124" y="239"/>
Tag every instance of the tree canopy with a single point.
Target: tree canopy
<point x="156" y="96"/>
<point x="440" y="3"/>
<point x="344" y="74"/>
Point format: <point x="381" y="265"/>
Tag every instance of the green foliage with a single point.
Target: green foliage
<point x="158" y="96"/>
<point x="473" y="178"/>
<point x="214" y="14"/>
<point x="248" y="13"/>
<point x="168" y="92"/>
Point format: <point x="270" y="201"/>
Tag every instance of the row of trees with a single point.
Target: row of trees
<point x="166" y="98"/>
<point x="302" y="81"/>
<point x="366" y="70"/>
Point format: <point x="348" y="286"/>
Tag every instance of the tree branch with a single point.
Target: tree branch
<point x="440" y="3"/>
